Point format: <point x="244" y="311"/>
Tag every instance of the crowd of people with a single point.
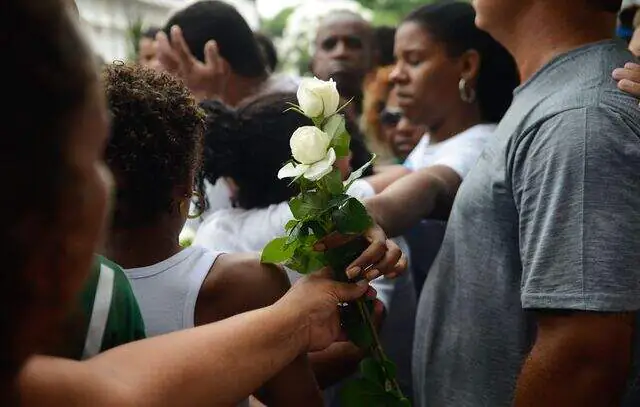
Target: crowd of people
<point x="503" y="261"/>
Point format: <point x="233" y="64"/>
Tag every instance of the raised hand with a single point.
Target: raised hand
<point x="206" y="80"/>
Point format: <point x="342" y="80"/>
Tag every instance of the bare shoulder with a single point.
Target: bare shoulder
<point x="237" y="283"/>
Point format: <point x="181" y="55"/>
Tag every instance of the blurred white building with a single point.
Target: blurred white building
<point x="106" y="22"/>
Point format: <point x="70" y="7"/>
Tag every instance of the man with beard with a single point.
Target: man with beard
<point x="344" y="52"/>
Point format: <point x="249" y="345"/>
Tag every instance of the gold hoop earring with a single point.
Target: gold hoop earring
<point x="467" y="95"/>
<point x="199" y="205"/>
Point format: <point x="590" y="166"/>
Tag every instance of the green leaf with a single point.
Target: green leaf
<point x="334" y="126"/>
<point x="351" y="217"/>
<point x="291" y="224"/>
<point x="390" y="368"/>
<point x="358" y="173"/>
<point x="361" y="393"/>
<point x="306" y="261"/>
<point x="317" y="121"/>
<point x="316" y="227"/>
<point x="340" y="144"/>
<point x="358" y="331"/>
<point x="372" y="371"/>
<point x="294" y="236"/>
<point x="308" y="204"/>
<point x="333" y="182"/>
<point x="338" y="200"/>
<point x="277" y="251"/>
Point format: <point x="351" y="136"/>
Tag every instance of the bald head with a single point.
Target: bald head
<point x="344" y="51"/>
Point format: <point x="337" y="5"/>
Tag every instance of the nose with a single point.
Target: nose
<point x="341" y="51"/>
<point x="397" y="74"/>
<point x="404" y="129"/>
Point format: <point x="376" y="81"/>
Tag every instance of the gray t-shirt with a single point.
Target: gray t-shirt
<point x="548" y="219"/>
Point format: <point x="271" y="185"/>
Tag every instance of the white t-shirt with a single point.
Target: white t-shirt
<point x="459" y="152"/>
<point x="240" y="230"/>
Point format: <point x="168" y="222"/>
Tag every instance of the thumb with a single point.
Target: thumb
<point x="346" y="292"/>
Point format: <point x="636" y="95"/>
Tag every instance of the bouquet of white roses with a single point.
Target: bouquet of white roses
<point x="323" y="207"/>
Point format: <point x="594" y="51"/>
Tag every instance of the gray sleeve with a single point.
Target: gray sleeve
<point x="576" y="184"/>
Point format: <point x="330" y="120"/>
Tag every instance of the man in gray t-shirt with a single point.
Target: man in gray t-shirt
<point x="533" y="299"/>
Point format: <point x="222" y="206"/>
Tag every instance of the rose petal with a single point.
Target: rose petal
<point x="331" y="100"/>
<point x="310" y="102"/>
<point x="292" y="171"/>
<point x="322" y="167"/>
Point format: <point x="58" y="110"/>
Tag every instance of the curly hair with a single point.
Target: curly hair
<point x="155" y="144"/>
<point x="250" y="145"/>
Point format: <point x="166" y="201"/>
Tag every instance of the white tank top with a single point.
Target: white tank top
<point x="167" y="291"/>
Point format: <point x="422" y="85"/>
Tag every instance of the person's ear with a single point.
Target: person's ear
<point x="470" y="67"/>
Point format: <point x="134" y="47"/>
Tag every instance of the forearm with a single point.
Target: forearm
<point x="335" y="363"/>
<point x="217" y="364"/>
<point x="381" y="180"/>
<point x="294" y="386"/>
<point x="562" y="378"/>
<point x="408" y="200"/>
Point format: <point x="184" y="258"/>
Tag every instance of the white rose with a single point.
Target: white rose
<point x="318" y="98"/>
<point x="309" y="144"/>
<point x="311" y="172"/>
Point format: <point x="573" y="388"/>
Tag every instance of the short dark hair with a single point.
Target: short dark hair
<point x="155" y="143"/>
<point x="453" y="25"/>
<point x="250" y="145"/>
<point x="216" y="20"/>
<point x="384" y="38"/>
<point x="611" y="6"/>
<point x="268" y="49"/>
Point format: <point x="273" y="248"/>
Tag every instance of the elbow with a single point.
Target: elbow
<point x="594" y="348"/>
<point x="607" y="365"/>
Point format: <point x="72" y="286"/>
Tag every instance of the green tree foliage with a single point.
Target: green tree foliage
<point x="274" y="27"/>
<point x="134" y="34"/>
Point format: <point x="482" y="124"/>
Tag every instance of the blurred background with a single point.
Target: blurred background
<point x="115" y="26"/>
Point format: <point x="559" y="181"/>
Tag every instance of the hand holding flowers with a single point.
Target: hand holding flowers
<point x="331" y="228"/>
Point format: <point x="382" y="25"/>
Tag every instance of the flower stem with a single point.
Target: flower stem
<point x="376" y="347"/>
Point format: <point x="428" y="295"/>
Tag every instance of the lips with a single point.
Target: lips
<point x="404" y="99"/>
<point x="404" y="148"/>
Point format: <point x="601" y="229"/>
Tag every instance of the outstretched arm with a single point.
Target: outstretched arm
<point x="239" y="283"/>
<point x="217" y="364"/>
<point x="426" y="192"/>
